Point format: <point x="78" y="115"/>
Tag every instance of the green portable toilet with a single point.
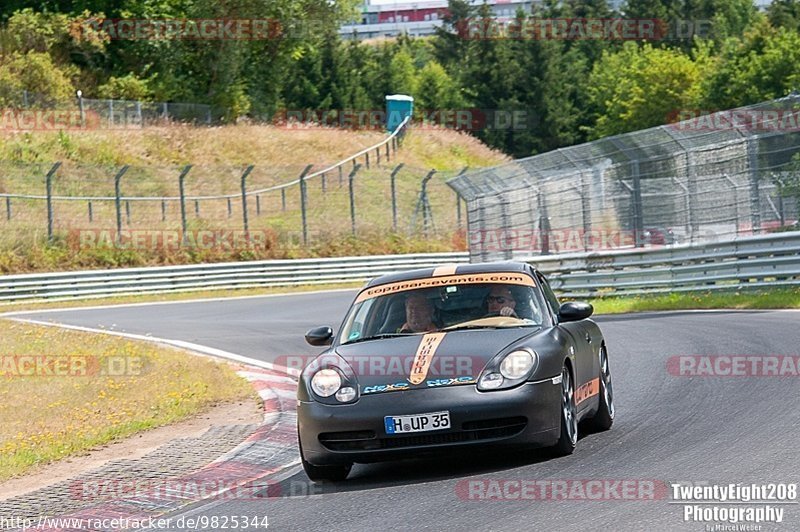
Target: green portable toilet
<point x="398" y="107"/>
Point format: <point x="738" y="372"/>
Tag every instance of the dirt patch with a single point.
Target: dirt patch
<point x="240" y="413"/>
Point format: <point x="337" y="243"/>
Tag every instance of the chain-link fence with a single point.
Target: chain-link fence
<point x="222" y="207"/>
<point x="110" y="114"/>
<point x="129" y="113"/>
<point x="707" y="178"/>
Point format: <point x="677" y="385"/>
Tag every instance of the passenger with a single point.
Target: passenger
<point x="419" y="315"/>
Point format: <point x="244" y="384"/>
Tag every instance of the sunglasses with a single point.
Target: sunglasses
<point x="498" y="299"/>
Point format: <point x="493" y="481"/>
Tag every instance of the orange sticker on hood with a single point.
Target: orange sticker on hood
<point x="422" y="361"/>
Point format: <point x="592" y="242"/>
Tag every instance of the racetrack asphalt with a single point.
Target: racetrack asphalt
<point x="669" y="429"/>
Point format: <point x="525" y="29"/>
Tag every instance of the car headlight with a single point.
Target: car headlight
<point x="516" y="364"/>
<point x="490" y="381"/>
<point x="346" y="394"/>
<point x="508" y="371"/>
<point x="326" y="382"/>
<point x="330" y="380"/>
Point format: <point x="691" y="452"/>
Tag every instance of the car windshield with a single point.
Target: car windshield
<point x="445" y="308"/>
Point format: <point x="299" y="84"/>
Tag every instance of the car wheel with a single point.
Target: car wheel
<point x="604" y="417"/>
<point x="569" y="419"/>
<point x="327" y="473"/>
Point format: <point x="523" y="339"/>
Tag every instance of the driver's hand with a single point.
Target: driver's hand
<point x="506" y="311"/>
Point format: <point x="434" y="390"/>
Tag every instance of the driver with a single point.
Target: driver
<point x="419" y="315"/>
<point x="501" y="302"/>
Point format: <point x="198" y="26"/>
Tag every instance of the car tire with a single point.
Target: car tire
<point x="604" y="418"/>
<point x="569" y="420"/>
<point x="327" y="473"/>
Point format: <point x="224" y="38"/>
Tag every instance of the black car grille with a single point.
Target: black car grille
<point x="505" y="422"/>
<point x="488" y="429"/>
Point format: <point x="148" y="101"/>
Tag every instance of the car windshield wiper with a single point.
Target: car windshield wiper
<point x="376" y="337"/>
<point x="466" y="327"/>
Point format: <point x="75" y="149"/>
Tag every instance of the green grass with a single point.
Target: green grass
<point x="779" y="298"/>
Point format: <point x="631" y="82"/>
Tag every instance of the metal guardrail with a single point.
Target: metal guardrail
<point x="255" y="274"/>
<point x="772" y="260"/>
<point x="752" y="262"/>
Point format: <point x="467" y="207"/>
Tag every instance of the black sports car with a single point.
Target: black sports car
<point x="451" y="357"/>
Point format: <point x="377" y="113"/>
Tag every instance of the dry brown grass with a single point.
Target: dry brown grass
<point x="157" y="154"/>
<point x="238" y="145"/>
<point x="47" y="417"/>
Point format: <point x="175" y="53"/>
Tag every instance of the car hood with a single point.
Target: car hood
<point x="458" y="357"/>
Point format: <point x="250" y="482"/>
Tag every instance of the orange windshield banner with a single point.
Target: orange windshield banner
<point x="434" y="282"/>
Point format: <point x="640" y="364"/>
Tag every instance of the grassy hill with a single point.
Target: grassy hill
<point x="157" y="155"/>
<point x="239" y="144"/>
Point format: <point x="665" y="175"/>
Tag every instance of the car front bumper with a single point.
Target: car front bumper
<point x="527" y="415"/>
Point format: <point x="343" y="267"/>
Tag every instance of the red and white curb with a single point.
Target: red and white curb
<point x="243" y="473"/>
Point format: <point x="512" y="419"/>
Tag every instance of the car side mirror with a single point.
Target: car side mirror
<point x="574" y="311"/>
<point x="319" y="336"/>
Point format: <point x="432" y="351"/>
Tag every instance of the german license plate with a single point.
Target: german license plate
<point x="417" y="422"/>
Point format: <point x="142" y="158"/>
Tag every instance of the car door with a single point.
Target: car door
<point x="585" y="364"/>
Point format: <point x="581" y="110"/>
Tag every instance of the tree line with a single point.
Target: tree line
<point x="708" y="55"/>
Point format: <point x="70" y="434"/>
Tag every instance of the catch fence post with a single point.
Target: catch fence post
<point x="49" y="188"/>
<point x="352" y="199"/>
<point x="182" y="190"/>
<point x="245" y="222"/>
<point x="303" y="214"/>
<point x="393" y="178"/>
